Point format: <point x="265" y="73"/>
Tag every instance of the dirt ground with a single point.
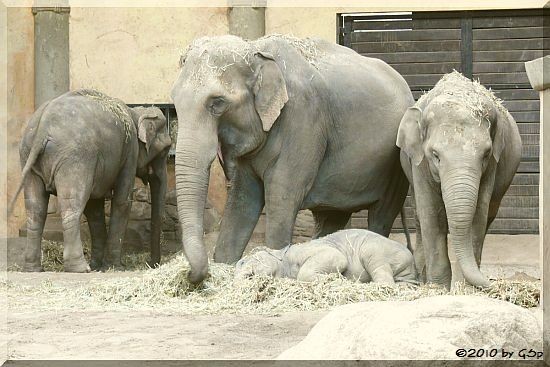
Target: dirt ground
<point x="151" y="335"/>
<point x="155" y="334"/>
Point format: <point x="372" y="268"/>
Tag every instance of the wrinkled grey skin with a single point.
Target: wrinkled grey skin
<point x="81" y="152"/>
<point x="460" y="166"/>
<point x="357" y="254"/>
<point x="294" y="132"/>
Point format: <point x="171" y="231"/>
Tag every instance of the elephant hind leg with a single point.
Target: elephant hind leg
<point x="73" y="191"/>
<point x="326" y="261"/>
<point x="330" y="221"/>
<point x="383" y="212"/>
<point x="36" y="205"/>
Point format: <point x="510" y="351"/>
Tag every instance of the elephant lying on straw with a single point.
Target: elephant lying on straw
<point x="357" y="254"/>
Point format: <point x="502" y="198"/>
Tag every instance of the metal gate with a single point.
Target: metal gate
<point x="491" y="46"/>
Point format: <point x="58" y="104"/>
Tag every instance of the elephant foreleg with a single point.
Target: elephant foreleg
<point x="244" y="205"/>
<point x="157" y="183"/>
<point x="121" y="204"/>
<point x="95" y="213"/>
<point x="419" y="252"/>
<point x="284" y="197"/>
<point x="433" y="222"/>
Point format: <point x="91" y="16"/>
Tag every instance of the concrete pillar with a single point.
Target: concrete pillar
<point x="51" y="52"/>
<point x="51" y="58"/>
<point x="247" y="18"/>
<point x="538" y="72"/>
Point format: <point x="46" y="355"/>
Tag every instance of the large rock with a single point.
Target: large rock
<point x="431" y="328"/>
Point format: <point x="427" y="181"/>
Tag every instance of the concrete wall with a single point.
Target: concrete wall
<point x="133" y="53"/>
<point x="20" y="103"/>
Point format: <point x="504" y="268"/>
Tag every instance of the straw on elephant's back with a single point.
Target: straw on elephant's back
<point x="112" y="105"/>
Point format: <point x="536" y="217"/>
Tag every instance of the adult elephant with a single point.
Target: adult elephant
<point x="300" y="124"/>
<point x="460" y="151"/>
<point x="84" y="146"/>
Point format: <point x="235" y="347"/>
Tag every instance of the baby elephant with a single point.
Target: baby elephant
<point x="357" y="254"/>
<point x="84" y="146"/>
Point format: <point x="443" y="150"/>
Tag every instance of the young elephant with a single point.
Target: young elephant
<point x="460" y="149"/>
<point x="357" y="254"/>
<point x="84" y="146"/>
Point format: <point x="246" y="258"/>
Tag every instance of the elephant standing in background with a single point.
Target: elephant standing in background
<point x="84" y="146"/>
<point x="298" y="124"/>
<point x="460" y="151"/>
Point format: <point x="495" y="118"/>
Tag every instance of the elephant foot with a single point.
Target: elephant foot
<point x="117" y="266"/>
<point x="78" y="266"/>
<point x="153" y="263"/>
<point x="96" y="265"/>
<point x="32" y="268"/>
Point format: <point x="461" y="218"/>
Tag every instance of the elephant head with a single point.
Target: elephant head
<point x="228" y="96"/>
<point x="262" y="262"/>
<point x="455" y="129"/>
<point x="154" y="144"/>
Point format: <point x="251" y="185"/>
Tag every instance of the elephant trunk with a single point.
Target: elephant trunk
<point x="460" y="192"/>
<point x="194" y="155"/>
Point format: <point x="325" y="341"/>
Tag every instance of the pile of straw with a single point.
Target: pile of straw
<point x="112" y="105"/>
<point x="167" y="289"/>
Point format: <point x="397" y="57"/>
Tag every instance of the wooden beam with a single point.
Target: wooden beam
<point x="466" y="46"/>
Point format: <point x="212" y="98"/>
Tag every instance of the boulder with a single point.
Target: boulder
<point x="432" y="328"/>
<point x="141" y="193"/>
<point x="138" y="235"/>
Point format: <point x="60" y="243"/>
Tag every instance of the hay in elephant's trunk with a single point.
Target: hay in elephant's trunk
<point x="167" y="289"/>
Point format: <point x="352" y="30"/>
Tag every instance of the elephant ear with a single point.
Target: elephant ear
<point x="270" y="94"/>
<point x="498" y="136"/>
<point x="409" y="137"/>
<point x="146" y="129"/>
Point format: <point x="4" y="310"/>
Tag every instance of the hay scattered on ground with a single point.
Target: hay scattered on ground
<point x="468" y="93"/>
<point x="167" y="289"/>
<point x="112" y="105"/>
<point x="52" y="257"/>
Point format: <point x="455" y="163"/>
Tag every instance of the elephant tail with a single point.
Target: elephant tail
<point x="38" y="143"/>
<point x="406" y="230"/>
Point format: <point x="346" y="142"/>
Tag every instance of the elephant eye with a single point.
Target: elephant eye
<point x="217" y="105"/>
<point x="436" y="156"/>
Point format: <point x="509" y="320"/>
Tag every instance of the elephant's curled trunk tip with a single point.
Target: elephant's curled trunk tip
<point x="197" y="276"/>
